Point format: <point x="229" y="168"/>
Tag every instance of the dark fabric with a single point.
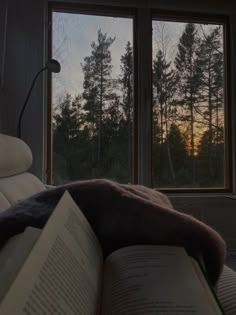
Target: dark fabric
<point x="123" y="215"/>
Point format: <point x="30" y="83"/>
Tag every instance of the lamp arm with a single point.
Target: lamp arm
<point x="26" y="101"/>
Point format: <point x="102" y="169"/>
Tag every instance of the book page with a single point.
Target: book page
<point x="153" y="280"/>
<point x="208" y="290"/>
<point x="62" y="274"/>
<point x="13" y="255"/>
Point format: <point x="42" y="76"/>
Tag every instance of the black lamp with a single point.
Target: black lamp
<point x="53" y="66"/>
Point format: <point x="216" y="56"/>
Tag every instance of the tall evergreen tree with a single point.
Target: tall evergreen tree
<point x="214" y="176"/>
<point x="210" y="63"/>
<point x="98" y="84"/>
<point x="178" y="150"/>
<point x="68" y="119"/>
<point x="188" y="81"/>
<point x="126" y="82"/>
<point x="65" y="125"/>
<point x="163" y="87"/>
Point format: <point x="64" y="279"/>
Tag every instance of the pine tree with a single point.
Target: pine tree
<point x="126" y="82"/>
<point x="65" y="123"/>
<point x="163" y="88"/>
<point x="188" y="81"/>
<point x="210" y="63"/>
<point x="178" y="150"/>
<point x="213" y="176"/>
<point x="98" y="85"/>
<point x="163" y="84"/>
<point x="66" y="133"/>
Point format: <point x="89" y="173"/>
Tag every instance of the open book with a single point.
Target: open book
<point x="64" y="272"/>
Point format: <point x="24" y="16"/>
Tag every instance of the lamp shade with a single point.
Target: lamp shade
<point x="53" y="66"/>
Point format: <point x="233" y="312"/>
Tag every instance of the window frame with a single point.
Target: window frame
<point x="142" y="172"/>
<point x="98" y="10"/>
<point x="175" y="16"/>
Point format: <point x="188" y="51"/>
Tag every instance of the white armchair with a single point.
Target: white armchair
<point x="16" y="183"/>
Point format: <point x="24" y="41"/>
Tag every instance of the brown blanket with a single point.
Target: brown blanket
<point x="123" y="215"/>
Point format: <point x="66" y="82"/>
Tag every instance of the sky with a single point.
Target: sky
<point x="72" y="38"/>
<point x="73" y="34"/>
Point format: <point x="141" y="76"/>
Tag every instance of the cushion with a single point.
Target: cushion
<point x="4" y="203"/>
<point x="15" y="157"/>
<point x="19" y="187"/>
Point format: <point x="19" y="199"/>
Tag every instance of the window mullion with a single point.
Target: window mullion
<point x="144" y="95"/>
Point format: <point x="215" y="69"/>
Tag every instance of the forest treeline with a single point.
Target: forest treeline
<point x="93" y="131"/>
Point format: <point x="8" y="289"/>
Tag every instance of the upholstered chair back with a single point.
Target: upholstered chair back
<point x="16" y="183"/>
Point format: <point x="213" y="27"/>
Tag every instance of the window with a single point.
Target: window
<point x="92" y="96"/>
<point x="100" y="100"/>
<point x="188" y="104"/>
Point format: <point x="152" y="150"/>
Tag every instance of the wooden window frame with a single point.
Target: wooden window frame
<point x="98" y="11"/>
<point x="185" y="17"/>
<point x="142" y="123"/>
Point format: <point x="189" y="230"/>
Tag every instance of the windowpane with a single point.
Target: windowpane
<point x="188" y="105"/>
<point x="92" y="97"/>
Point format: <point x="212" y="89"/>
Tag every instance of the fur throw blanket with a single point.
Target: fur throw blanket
<point x="122" y="215"/>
